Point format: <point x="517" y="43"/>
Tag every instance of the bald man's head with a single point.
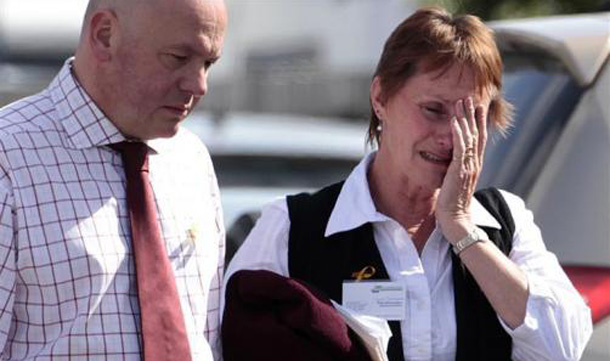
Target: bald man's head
<point x="145" y="62"/>
<point x="117" y="6"/>
<point x="128" y="8"/>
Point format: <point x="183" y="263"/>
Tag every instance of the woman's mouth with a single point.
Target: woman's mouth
<point x="435" y="158"/>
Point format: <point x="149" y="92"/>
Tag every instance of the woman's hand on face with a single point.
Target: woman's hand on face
<point x="469" y="131"/>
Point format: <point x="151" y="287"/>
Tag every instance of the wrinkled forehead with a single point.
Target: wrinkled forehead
<point x="209" y="14"/>
<point x="448" y="84"/>
<point x="483" y="86"/>
<point x="200" y="22"/>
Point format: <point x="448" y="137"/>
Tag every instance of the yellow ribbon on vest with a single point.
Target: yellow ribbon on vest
<point x="365" y="273"/>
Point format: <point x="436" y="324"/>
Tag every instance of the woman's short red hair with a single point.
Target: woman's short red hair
<point x="432" y="39"/>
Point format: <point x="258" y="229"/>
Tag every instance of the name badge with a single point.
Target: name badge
<point x="383" y="299"/>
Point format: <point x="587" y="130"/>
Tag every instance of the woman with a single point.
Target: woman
<point x="407" y="213"/>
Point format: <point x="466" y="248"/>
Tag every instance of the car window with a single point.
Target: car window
<point x="544" y="95"/>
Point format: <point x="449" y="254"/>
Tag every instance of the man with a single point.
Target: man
<point x="70" y="286"/>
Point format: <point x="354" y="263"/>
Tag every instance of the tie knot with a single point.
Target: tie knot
<point x="135" y="155"/>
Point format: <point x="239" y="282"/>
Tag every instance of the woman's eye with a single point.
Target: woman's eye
<point x="433" y="111"/>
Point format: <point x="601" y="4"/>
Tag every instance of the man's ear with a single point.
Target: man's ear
<point x="103" y="34"/>
<point x="377" y="100"/>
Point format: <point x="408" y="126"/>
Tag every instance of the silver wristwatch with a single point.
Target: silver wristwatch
<point x="476" y="235"/>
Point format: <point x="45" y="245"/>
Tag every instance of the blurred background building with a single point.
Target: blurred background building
<point x="303" y="56"/>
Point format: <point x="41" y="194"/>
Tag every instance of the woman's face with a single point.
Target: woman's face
<point x="416" y="141"/>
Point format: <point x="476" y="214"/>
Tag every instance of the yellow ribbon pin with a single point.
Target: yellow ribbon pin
<point x="365" y="273"/>
<point x="193" y="233"/>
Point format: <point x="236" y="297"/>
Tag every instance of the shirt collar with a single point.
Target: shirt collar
<point x="84" y="122"/>
<point x="355" y="205"/>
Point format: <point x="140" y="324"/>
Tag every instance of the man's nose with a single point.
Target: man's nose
<point x="195" y="82"/>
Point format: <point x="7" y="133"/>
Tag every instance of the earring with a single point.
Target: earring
<point x="379" y="128"/>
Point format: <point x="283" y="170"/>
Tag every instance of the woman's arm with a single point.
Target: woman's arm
<point x="501" y="280"/>
<point x="266" y="247"/>
<point x="504" y="284"/>
<point x="536" y="303"/>
<point x="557" y="324"/>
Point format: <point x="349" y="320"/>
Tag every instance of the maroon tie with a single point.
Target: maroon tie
<point x="163" y="330"/>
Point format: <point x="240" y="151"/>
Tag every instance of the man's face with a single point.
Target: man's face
<point x="159" y="70"/>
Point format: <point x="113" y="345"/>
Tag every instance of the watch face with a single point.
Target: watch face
<point x="480" y="234"/>
<point x="477" y="235"/>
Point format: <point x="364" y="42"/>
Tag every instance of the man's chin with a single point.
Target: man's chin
<point x="167" y="132"/>
<point x="171" y="126"/>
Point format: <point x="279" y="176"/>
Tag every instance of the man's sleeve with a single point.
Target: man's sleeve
<point x="212" y="330"/>
<point x="7" y="258"/>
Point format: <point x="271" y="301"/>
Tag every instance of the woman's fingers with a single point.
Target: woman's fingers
<point x="481" y="117"/>
<point x="459" y="145"/>
<point x="462" y="116"/>
<point x="464" y="111"/>
<point x="469" y="134"/>
<point x="471" y="116"/>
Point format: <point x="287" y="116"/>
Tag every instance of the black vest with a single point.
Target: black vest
<point x="325" y="262"/>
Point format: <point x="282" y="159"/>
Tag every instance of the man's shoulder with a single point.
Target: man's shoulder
<point x="26" y="114"/>
<point x="185" y="144"/>
<point x="190" y="142"/>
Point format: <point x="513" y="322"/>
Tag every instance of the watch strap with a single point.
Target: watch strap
<point x="476" y="235"/>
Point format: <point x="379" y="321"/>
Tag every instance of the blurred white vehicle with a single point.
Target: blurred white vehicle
<point x="259" y="157"/>
<point x="557" y="156"/>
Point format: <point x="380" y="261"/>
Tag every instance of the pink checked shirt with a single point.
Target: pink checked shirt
<point x="67" y="276"/>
